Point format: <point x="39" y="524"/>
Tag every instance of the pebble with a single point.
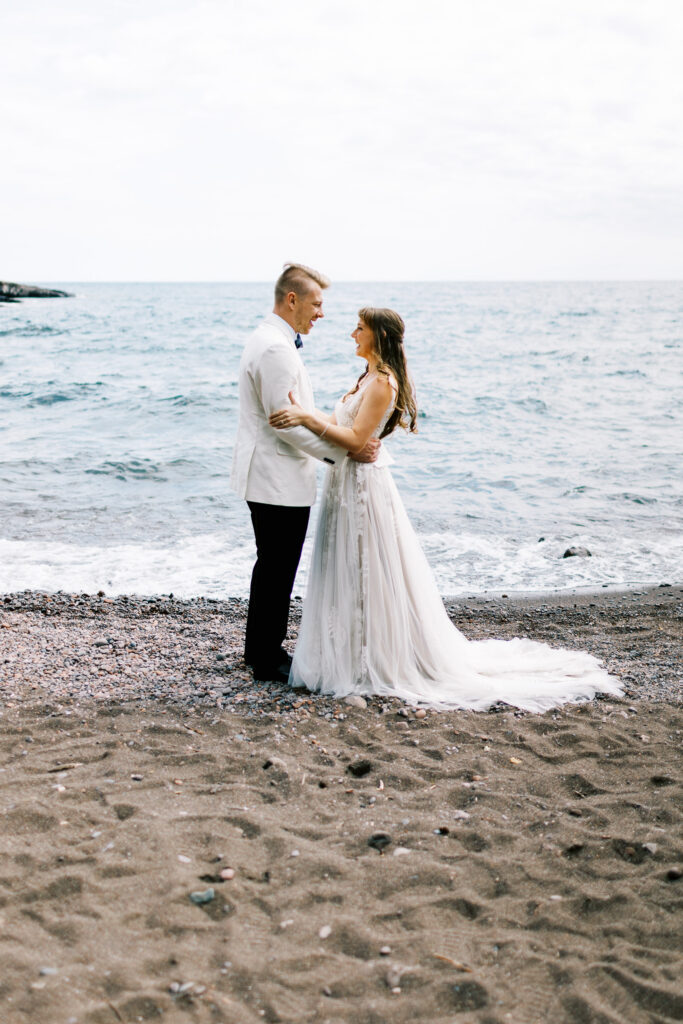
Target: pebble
<point x="421" y="713"/>
<point x="325" y="932"/>
<point x="393" y="977"/>
<point x="385" y="951"/>
<point x="48" y="971"/>
<point x="379" y="840"/>
<point x="203" y="897"/>
<point x="461" y="815"/>
<point x="401" y="851"/>
<point x="227" y="873"/>
<point x="355" y="701"/>
<point x="183" y="859"/>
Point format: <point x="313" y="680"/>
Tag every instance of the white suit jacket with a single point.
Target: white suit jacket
<point x="276" y="467"/>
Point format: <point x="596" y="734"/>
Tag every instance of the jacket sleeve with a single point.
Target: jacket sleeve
<point x="275" y="377"/>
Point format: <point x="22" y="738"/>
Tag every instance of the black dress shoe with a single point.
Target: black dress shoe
<point x="279" y="674"/>
<point x="284" y="661"/>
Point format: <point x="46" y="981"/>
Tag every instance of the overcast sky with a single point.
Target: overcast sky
<point x="382" y="139"/>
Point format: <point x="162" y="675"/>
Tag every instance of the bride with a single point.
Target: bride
<point x="373" y="621"/>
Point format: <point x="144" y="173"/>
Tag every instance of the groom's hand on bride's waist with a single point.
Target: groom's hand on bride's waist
<point x="369" y="453"/>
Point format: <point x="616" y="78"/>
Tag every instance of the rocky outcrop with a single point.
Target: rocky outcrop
<point x="10" y="292"/>
<point x="577" y="553"/>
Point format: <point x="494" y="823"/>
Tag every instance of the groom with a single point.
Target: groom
<point x="275" y="470"/>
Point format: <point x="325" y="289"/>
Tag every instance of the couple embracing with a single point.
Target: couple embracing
<point x="373" y="621"/>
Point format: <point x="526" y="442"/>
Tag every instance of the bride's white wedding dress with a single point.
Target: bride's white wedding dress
<point x="373" y="621"/>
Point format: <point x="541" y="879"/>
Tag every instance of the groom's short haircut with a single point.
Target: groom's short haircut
<point x="296" y="277"/>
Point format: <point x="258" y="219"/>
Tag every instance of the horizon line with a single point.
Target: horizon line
<point x="388" y="280"/>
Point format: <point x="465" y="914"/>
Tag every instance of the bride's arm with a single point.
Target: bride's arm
<point x="378" y="395"/>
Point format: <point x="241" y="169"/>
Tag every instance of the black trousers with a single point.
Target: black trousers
<point x="280" y="531"/>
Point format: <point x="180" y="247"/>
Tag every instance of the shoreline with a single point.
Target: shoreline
<point x="190" y="651"/>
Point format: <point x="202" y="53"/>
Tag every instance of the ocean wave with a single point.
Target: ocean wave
<point x="199" y="400"/>
<point x="193" y="566"/>
<point x="531" y="404"/>
<point x="637" y="499"/>
<point x="626" y="373"/>
<point x="69" y="393"/>
<point x="51" y="399"/>
<point x="30" y="331"/>
<point x="8" y="393"/>
<point x="218" y="564"/>
<point x="133" y="469"/>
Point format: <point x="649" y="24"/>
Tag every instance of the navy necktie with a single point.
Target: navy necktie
<point x="298" y="342"/>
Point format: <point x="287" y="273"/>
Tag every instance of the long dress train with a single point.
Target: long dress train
<point x="373" y="621"/>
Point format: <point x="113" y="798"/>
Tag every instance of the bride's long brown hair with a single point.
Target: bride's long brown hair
<point x="389" y="329"/>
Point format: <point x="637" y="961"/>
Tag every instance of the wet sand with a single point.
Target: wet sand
<point x="379" y="865"/>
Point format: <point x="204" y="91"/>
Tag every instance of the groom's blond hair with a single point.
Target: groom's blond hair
<point x="296" y="277"/>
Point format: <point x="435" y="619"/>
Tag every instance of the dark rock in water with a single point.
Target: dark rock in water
<point x="10" y="292"/>
<point x="577" y="552"/>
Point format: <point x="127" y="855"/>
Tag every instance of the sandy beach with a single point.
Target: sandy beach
<point x="181" y="843"/>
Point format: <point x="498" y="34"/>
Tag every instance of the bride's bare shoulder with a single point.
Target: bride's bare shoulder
<point x="382" y="384"/>
<point x="387" y="381"/>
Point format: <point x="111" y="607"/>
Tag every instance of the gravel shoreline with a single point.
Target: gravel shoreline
<point x="73" y="647"/>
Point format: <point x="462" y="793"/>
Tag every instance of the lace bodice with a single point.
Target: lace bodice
<point x="346" y="411"/>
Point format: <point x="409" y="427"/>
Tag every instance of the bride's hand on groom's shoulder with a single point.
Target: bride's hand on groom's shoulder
<point x="292" y="416"/>
<point x="369" y="453"/>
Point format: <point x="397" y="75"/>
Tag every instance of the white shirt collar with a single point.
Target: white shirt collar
<point x="277" y="321"/>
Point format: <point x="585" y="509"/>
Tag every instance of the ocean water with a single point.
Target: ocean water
<point x="550" y="415"/>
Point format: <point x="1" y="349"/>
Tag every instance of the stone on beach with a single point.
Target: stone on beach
<point x="359" y="768"/>
<point x="356" y="701"/>
<point x="204" y="896"/>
